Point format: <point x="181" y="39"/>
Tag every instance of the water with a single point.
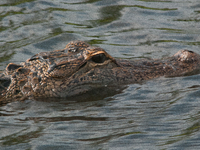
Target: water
<point x="158" y="114"/>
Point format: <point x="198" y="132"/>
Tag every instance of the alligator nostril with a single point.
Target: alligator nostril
<point x="185" y="50"/>
<point x="185" y="56"/>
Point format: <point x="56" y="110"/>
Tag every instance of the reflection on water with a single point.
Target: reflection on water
<point x="107" y="15"/>
<point x="157" y="114"/>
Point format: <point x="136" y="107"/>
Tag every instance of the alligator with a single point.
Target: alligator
<point x="79" y="68"/>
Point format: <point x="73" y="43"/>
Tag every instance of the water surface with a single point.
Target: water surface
<point x="159" y="114"/>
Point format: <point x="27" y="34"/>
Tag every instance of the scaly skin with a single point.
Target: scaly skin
<point x="79" y="68"/>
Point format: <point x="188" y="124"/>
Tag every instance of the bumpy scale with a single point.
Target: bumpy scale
<point x="79" y="68"/>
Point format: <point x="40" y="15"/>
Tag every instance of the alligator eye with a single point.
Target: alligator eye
<point x="100" y="58"/>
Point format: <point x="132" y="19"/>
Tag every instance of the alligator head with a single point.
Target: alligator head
<point x="73" y="70"/>
<point x="79" y="68"/>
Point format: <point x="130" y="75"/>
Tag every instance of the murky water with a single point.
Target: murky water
<point x="163" y="113"/>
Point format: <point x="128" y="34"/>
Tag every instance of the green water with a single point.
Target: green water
<point x="157" y="114"/>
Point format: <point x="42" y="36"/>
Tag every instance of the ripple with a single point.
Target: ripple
<point x="159" y="114"/>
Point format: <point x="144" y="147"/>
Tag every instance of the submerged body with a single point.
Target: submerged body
<point x="79" y="68"/>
